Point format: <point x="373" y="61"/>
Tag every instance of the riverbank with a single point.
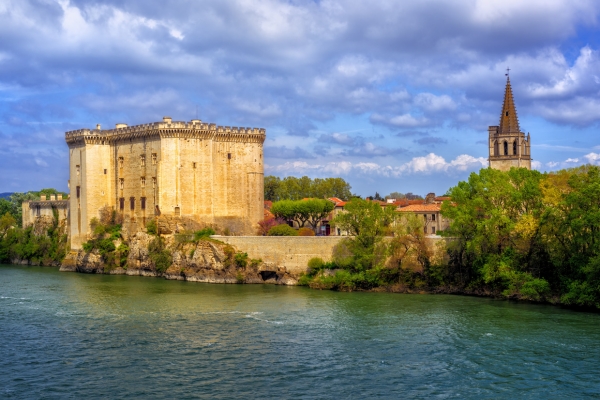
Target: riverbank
<point x="132" y="337"/>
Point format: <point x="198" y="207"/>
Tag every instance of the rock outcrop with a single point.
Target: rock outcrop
<point x="207" y="261"/>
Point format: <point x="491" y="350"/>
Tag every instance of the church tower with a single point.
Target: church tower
<point x="509" y="147"/>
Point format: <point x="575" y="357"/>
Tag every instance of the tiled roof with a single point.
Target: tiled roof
<point x="404" y="202"/>
<point x="421" y="208"/>
<point x="443" y="198"/>
<point x="338" y="202"/>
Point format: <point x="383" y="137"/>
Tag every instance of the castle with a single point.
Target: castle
<point x="508" y="146"/>
<point x="182" y="171"/>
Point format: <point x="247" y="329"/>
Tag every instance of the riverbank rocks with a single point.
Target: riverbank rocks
<point x="208" y="261"/>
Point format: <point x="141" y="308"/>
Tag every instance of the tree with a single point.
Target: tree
<point x="317" y="210"/>
<point x="368" y="223"/>
<point x="272" y="184"/>
<point x="292" y="188"/>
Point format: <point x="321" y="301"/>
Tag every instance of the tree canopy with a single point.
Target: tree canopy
<point x="292" y="188"/>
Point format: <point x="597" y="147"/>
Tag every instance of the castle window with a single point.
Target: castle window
<point x="505" y="148"/>
<point x="154" y="182"/>
<point x="194" y="165"/>
<point x="143" y="181"/>
<point x="143" y="203"/>
<point x="433" y="229"/>
<point x="143" y="160"/>
<point x="77" y="168"/>
<point x="433" y="217"/>
<point x="121" y="183"/>
<point x="496" y="151"/>
<point x="121" y="203"/>
<point x="153" y="158"/>
<point x="229" y="156"/>
<point x="515" y="147"/>
<point x="507" y="113"/>
<point x="132" y="203"/>
<point x="177" y="211"/>
<point x="78" y="190"/>
<point x="121" y="162"/>
<point x="105" y="171"/>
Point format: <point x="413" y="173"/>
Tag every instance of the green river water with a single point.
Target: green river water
<point x="68" y="335"/>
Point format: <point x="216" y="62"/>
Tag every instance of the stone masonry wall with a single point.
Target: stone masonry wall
<point x="293" y="252"/>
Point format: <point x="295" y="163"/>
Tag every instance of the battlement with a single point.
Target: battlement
<point x="166" y="128"/>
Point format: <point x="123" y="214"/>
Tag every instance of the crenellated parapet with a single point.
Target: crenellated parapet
<point x="195" y="129"/>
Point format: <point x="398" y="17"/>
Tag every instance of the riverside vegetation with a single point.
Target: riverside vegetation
<point x="519" y="234"/>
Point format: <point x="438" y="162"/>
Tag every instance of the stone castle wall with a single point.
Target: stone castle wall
<point x="210" y="174"/>
<point x="293" y="252"/>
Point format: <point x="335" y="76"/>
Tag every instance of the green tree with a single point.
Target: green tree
<point x="272" y="184"/>
<point x="367" y="222"/>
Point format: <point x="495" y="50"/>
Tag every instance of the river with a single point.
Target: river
<point x="68" y="335"/>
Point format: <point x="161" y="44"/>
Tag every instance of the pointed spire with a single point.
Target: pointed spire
<point x="509" y="122"/>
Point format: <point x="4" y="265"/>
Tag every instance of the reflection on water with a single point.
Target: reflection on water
<point x="75" y="335"/>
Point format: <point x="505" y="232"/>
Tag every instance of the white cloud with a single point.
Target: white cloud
<point x="593" y="158"/>
<point x="428" y="164"/>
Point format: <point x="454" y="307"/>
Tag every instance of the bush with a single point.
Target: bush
<point x="282" y="230"/>
<point x="306" y="232"/>
<point x="203" y="233"/>
<point x="255" y="262"/>
<point x="152" y="227"/>
<point x="241" y="260"/>
<point x="160" y="256"/>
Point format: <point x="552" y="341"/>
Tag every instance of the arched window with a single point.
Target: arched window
<point x="505" y="148"/>
<point x="515" y="147"/>
<point x="523" y="149"/>
<point x="496" y="151"/>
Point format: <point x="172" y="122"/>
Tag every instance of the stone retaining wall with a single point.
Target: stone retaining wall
<point x="289" y="252"/>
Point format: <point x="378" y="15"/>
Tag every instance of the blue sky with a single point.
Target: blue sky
<point x="389" y="95"/>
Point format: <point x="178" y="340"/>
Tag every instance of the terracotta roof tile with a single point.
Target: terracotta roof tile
<point x="421" y="208"/>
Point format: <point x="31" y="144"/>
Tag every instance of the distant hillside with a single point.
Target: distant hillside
<point x="5" y="195"/>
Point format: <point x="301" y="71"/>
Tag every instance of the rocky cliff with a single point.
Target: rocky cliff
<point x="203" y="261"/>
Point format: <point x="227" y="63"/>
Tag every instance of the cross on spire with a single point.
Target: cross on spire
<point x="507" y="71"/>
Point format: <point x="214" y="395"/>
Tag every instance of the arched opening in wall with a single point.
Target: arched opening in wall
<point x="515" y="147"/>
<point x="177" y="211"/>
<point x="523" y="148"/>
<point x="505" y="148"/>
<point x="496" y="151"/>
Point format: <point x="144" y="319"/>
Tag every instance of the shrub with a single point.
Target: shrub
<point x="203" y="233"/>
<point x="306" y="232"/>
<point x="315" y="263"/>
<point x="282" y="230"/>
<point x="160" y="256"/>
<point x="255" y="262"/>
<point x="152" y="227"/>
<point x="241" y="260"/>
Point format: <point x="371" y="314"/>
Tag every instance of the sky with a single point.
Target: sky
<point x="392" y="96"/>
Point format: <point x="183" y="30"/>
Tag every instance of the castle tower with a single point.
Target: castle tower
<point x="508" y="146"/>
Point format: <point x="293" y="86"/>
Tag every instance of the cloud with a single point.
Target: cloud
<point x="286" y="153"/>
<point x="431" y="141"/>
<point x="428" y="164"/>
<point x="400" y="121"/>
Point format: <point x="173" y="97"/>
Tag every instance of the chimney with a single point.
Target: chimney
<point x="167" y="120"/>
<point x="43" y="197"/>
<point x="98" y="126"/>
<point x="59" y="196"/>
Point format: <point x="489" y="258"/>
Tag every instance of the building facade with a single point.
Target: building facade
<point x="508" y="146"/>
<point x="180" y="170"/>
